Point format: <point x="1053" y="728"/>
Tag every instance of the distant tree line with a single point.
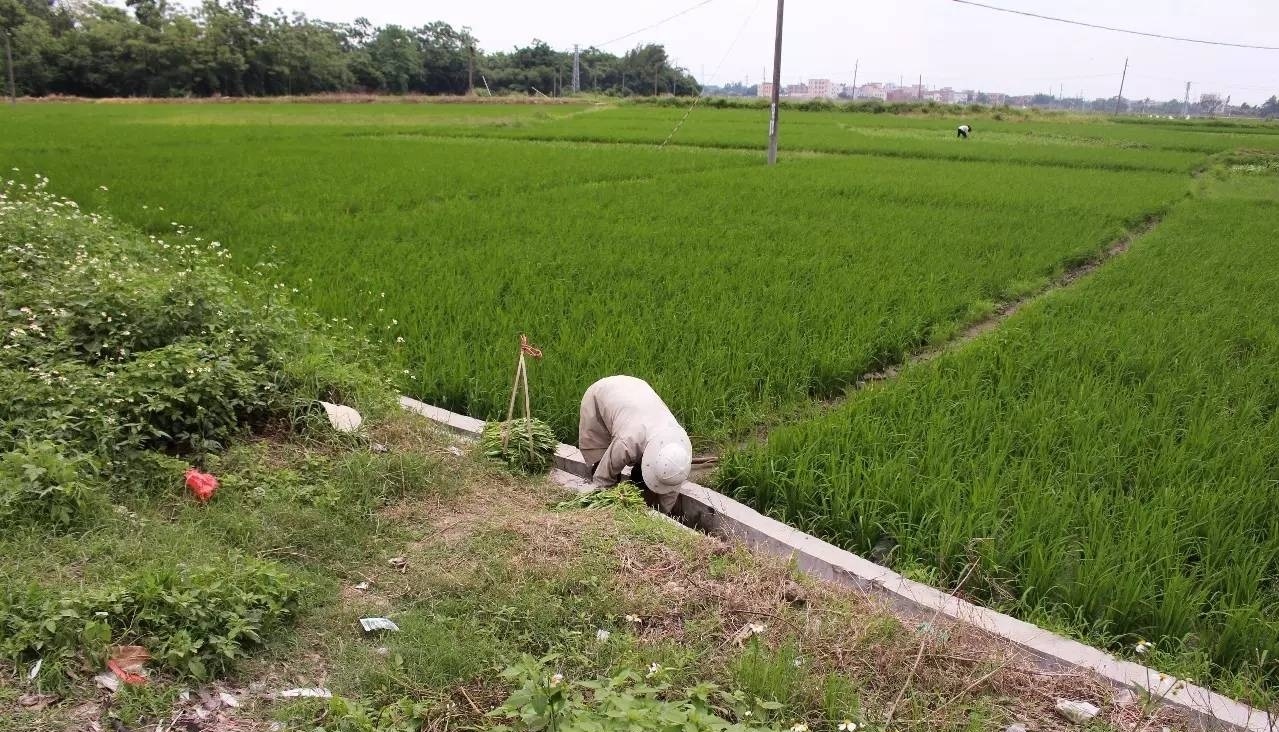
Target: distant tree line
<point x="229" y="47"/>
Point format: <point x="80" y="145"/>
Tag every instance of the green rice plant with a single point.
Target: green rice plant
<point x="525" y="444"/>
<point x="1114" y="446"/>
<point x="439" y="241"/>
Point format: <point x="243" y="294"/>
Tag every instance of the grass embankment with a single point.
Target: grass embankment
<point x="1107" y="457"/>
<point x="486" y="570"/>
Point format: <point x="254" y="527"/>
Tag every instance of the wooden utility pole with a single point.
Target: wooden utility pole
<point x="470" y="70"/>
<point x="8" y="57"/>
<point x="777" y="86"/>
<point x="856" y="63"/>
<point x="1119" y="100"/>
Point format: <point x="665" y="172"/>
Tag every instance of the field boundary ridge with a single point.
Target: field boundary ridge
<point x="722" y="516"/>
<point x="1009" y="308"/>
<point x="820" y="405"/>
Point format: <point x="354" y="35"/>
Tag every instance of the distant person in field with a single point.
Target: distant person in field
<point x="963" y="131"/>
<point x="625" y="423"/>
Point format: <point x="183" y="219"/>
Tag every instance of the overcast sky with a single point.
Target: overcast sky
<point x="948" y="43"/>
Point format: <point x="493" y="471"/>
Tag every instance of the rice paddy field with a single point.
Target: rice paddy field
<point x="1108" y="457"/>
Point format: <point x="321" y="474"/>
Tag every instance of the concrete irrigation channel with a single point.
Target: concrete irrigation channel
<point x="706" y="510"/>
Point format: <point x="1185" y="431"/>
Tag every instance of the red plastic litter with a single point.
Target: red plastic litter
<point x="127" y="677"/>
<point x="202" y="485"/>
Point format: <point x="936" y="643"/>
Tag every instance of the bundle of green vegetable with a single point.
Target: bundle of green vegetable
<point x="524" y="445"/>
<point x="624" y="495"/>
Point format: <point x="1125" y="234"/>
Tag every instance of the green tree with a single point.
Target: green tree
<point x="444" y="58"/>
<point x="395" y="53"/>
<point x="228" y="47"/>
<point x="1270" y="107"/>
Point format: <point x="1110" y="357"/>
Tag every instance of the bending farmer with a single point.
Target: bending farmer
<point x="625" y="423"/>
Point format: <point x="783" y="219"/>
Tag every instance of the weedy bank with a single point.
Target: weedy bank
<point x="1107" y="458"/>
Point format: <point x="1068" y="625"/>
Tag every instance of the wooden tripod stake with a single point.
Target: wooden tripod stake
<point x="521" y="379"/>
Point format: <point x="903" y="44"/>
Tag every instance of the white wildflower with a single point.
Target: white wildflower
<point x="654" y="669"/>
<point x="557" y="679"/>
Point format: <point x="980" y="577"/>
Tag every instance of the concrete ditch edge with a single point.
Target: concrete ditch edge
<point x="723" y="516"/>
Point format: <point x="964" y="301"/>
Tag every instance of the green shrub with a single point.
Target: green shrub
<point x="40" y="483"/>
<point x="628" y="701"/>
<point x="193" y="622"/>
<point x="113" y="343"/>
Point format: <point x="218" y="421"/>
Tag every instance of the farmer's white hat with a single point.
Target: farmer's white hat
<point x="666" y="465"/>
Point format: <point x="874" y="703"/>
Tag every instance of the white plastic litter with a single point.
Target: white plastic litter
<point x="343" y="418"/>
<point x="361" y="587"/>
<point x="1016" y="728"/>
<point x="1077" y="711"/>
<point x="314" y="692"/>
<point x="374" y="624"/>
<point x="602" y="635"/>
<point x="35" y="670"/>
<point x="108" y="681"/>
<point x="455" y="450"/>
<point x="228" y="699"/>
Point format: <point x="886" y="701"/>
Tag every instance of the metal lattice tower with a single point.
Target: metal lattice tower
<point x="577" y="71"/>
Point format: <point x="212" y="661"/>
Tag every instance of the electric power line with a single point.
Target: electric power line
<point x="1223" y="84"/>
<point x="701" y="90"/>
<point x="667" y="19"/>
<point x="1116" y="30"/>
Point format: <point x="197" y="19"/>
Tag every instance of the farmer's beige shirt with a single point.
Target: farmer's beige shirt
<point x="620" y="415"/>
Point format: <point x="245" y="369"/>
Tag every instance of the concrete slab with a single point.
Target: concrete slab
<point x="570" y="481"/>
<point x="718" y="514"/>
<point x="459" y="423"/>
<point x="569" y="459"/>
